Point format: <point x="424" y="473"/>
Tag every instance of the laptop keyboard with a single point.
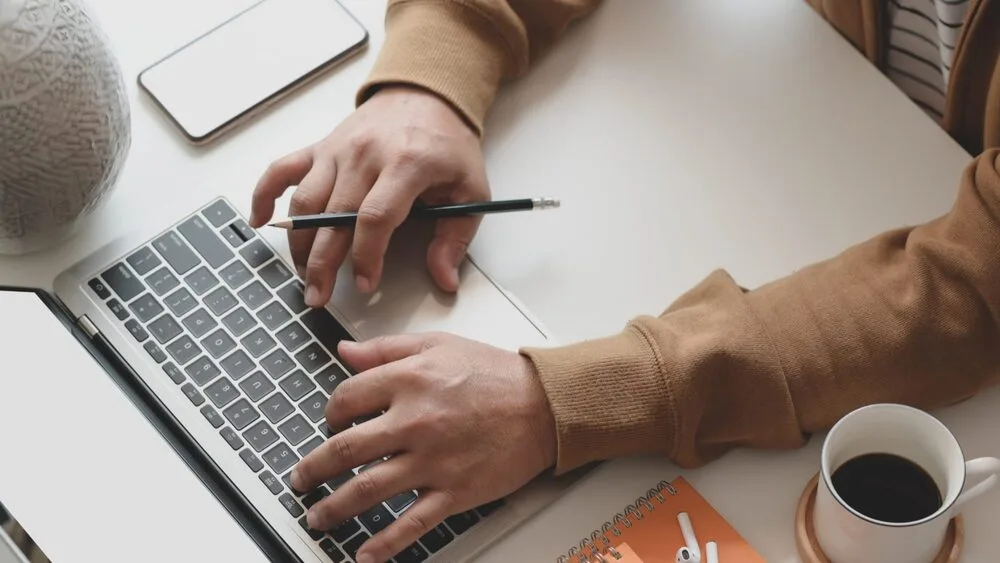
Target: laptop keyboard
<point x="226" y="321"/>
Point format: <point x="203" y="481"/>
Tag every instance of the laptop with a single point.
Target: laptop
<point x="155" y="401"/>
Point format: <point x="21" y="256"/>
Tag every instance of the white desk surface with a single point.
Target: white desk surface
<point x="681" y="136"/>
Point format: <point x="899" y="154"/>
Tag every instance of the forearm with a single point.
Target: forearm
<point x="911" y="316"/>
<point x="464" y="49"/>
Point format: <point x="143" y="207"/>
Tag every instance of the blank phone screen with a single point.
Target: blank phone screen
<point x="248" y="60"/>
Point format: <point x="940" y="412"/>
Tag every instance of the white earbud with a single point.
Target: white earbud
<point x="690" y="553"/>
<point x="711" y="552"/>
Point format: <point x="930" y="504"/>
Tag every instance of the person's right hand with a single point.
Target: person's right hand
<point x="401" y="145"/>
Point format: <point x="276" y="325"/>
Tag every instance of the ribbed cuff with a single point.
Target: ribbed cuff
<point x="608" y="397"/>
<point x="445" y="47"/>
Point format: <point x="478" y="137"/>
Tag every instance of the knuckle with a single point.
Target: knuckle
<point x="366" y="486"/>
<point x="341" y="447"/>
<point x="360" y="144"/>
<point x="302" y="199"/>
<point x="374" y="215"/>
<point x="418" y="525"/>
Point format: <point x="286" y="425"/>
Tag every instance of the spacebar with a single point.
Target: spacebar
<point x="326" y="328"/>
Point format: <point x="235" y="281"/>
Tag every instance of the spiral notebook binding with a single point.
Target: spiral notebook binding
<point x="597" y="547"/>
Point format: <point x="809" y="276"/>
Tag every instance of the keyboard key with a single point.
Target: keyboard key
<point x="314" y="407"/>
<point x="296" y="430"/>
<point x="271" y="482"/>
<point x="136" y="330"/>
<point x="222" y="392"/>
<point x="236" y="274"/>
<point x="162" y="281"/>
<point x="315" y="496"/>
<point x="200" y="322"/>
<point x="275" y="274"/>
<point x="154" y="352"/>
<point x="312" y="358"/>
<point x="218" y="343"/>
<point x="143" y="261"/>
<point x="325" y="328"/>
<point x="241" y="414"/>
<point x="202" y="370"/>
<point x="239" y="322"/>
<point x="180" y="302"/>
<point x="399" y="502"/>
<point x="490" y="507"/>
<point x="308" y="447"/>
<point x="257" y="386"/>
<point x="344" y="531"/>
<point x="118" y="310"/>
<point x="274" y="315"/>
<point x="293" y="337"/>
<point x="193" y="394"/>
<point x="241" y="228"/>
<point x="173" y="372"/>
<point x="232" y="438"/>
<point x="260" y="436"/>
<point x="218" y="213"/>
<point x="252" y="461"/>
<point x="297" y="385"/>
<point x="201" y="280"/>
<point x="183" y="350"/>
<point x="99" y="289"/>
<point x="220" y="301"/>
<point x="330" y="378"/>
<point x="287" y="480"/>
<point x="331" y="550"/>
<point x="436" y="539"/>
<point x="255" y="295"/>
<point x="258" y="343"/>
<point x="145" y="307"/>
<point x="176" y="252"/>
<point x="460" y="523"/>
<point x="316" y="535"/>
<point x="291" y="505"/>
<point x="276" y="408"/>
<point x="237" y="364"/>
<point x="324" y="430"/>
<point x="212" y="416"/>
<point x="256" y="253"/>
<point x="377" y="518"/>
<point x="354" y="544"/>
<point x="231" y="236"/>
<point x="339" y="481"/>
<point x="412" y="554"/>
<point x="165" y="329"/>
<point x="293" y="296"/>
<point x="280" y="458"/>
<point x="121" y="280"/>
<point x="204" y="240"/>
<point x="277" y="363"/>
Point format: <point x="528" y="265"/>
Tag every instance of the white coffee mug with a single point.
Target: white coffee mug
<point x="845" y="535"/>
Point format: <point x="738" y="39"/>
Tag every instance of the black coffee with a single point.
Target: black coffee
<point x="887" y="487"/>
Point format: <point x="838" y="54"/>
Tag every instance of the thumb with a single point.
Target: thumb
<point x="447" y="250"/>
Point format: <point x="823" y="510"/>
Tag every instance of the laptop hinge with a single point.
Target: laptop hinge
<point x="88" y="326"/>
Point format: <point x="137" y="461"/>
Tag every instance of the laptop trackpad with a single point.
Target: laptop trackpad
<point x="64" y="426"/>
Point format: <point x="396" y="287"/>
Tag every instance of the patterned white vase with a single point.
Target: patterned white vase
<point x="64" y="121"/>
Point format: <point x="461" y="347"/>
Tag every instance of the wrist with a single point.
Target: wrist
<point x="543" y="420"/>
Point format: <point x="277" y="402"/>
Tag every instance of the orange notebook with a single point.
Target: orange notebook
<point x="648" y="531"/>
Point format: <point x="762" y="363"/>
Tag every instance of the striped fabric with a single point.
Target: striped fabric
<point x="922" y="41"/>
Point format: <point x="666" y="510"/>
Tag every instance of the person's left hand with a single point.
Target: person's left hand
<point x="464" y="424"/>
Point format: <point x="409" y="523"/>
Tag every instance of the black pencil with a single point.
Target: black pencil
<point x="419" y="212"/>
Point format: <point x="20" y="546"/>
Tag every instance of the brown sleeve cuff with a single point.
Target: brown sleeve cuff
<point x="608" y="398"/>
<point x="448" y="48"/>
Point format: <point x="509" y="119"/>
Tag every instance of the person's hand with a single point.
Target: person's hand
<point x="464" y="424"/>
<point x="400" y="145"/>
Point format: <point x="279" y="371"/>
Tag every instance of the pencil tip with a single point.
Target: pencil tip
<point x="281" y="223"/>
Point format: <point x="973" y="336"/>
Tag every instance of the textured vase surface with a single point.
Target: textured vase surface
<point x="64" y="121"/>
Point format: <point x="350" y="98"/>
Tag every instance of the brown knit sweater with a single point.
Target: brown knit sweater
<point x="909" y="316"/>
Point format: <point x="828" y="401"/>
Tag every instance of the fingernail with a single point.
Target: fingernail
<point x="365" y="558"/>
<point x="313" y="520"/>
<point x="312" y="296"/>
<point x="296" y="480"/>
<point x="363" y="283"/>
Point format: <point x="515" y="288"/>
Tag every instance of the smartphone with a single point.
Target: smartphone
<point x="247" y="63"/>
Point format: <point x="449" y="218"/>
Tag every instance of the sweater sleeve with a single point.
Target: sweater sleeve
<point x="463" y="50"/>
<point x="910" y="316"/>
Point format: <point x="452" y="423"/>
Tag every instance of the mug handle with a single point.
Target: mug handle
<point x="983" y="469"/>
